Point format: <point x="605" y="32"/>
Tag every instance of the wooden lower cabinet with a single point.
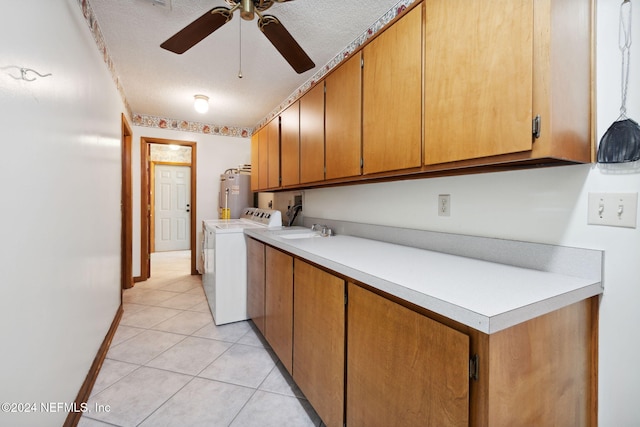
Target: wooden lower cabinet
<point x="403" y="369"/>
<point x="255" y="282"/>
<point x="379" y="361"/>
<point x="318" y="340"/>
<point x="542" y="372"/>
<point x="278" y="314"/>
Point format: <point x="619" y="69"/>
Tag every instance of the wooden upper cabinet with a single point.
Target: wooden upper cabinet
<point x="290" y="145"/>
<point x="343" y="118"/>
<point x="453" y="85"/>
<point x="273" y="130"/>
<point x="312" y="135"/>
<point x="562" y="79"/>
<point x="263" y="159"/>
<point x="478" y="78"/>
<point x="392" y="97"/>
<point x="255" y="162"/>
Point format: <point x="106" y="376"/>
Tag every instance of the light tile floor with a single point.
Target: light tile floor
<point x="170" y="365"/>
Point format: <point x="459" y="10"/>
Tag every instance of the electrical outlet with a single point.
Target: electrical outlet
<point x="444" y="205"/>
<point x="613" y="209"/>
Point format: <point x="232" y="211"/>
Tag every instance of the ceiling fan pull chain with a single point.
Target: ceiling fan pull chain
<point x="240" y="50"/>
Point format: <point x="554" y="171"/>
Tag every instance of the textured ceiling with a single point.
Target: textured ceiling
<point x="159" y="83"/>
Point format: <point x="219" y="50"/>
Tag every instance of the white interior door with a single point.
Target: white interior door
<point x="172" y="208"/>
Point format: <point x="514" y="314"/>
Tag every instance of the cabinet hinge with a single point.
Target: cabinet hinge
<point x="536" y="127"/>
<point x="361" y="62"/>
<point x="361" y="162"/>
<point x="474" y="367"/>
<point x="346" y="298"/>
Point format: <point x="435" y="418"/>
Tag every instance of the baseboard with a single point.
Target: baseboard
<point x="85" y="391"/>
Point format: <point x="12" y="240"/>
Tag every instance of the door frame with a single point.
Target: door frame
<point x="126" y="208"/>
<point x="152" y="199"/>
<point x="145" y="207"/>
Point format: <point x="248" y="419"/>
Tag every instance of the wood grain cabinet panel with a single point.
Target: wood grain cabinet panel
<point x="279" y="305"/>
<point x="273" y="131"/>
<point x="478" y="78"/>
<point x="541" y="372"/>
<point x="290" y="145"/>
<point x="343" y="118"/>
<point x="319" y="340"/>
<point x="255" y="162"/>
<point x="492" y="67"/>
<point x="256" y="282"/>
<point x="263" y="159"/>
<point x="392" y="97"/>
<point x="312" y="135"/>
<point x="403" y="369"/>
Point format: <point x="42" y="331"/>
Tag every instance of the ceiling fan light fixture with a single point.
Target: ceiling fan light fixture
<point x="247" y="10"/>
<point x="201" y="103"/>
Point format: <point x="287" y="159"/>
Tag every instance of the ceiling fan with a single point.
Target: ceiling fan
<point x="270" y="26"/>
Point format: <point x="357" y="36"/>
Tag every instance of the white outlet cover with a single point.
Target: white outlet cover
<point x="613" y="209"/>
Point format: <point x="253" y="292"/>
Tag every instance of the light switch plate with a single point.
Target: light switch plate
<point x="613" y="209"/>
<point x="444" y="205"/>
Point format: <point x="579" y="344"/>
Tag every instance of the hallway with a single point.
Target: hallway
<point x="170" y="365"/>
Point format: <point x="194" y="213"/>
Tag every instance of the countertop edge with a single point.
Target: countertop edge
<point x="482" y="323"/>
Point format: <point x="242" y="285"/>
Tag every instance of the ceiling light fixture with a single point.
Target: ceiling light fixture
<point x="201" y="103"/>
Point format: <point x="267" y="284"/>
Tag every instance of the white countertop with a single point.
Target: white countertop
<point x="484" y="295"/>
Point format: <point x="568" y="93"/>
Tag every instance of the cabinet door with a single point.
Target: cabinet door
<point x="343" y="118"/>
<point x="403" y="369"/>
<point x="478" y="78"/>
<point x="273" y="130"/>
<point x="263" y="159"/>
<point x="279" y="304"/>
<point x="255" y="282"/>
<point x="312" y="135"/>
<point x="290" y="145"/>
<point x="318" y="340"/>
<point x="255" y="162"/>
<point x="392" y="97"/>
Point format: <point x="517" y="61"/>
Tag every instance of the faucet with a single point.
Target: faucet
<point x="292" y="212"/>
<point x="325" y="230"/>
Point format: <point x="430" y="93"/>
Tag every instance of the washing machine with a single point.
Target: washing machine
<point x="224" y="258"/>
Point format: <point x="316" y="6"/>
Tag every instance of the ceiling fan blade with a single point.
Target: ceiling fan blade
<point x="285" y="43"/>
<point x="193" y="33"/>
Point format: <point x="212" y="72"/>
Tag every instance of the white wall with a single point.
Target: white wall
<point x="215" y="154"/>
<point x="547" y="205"/>
<point x="60" y="238"/>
